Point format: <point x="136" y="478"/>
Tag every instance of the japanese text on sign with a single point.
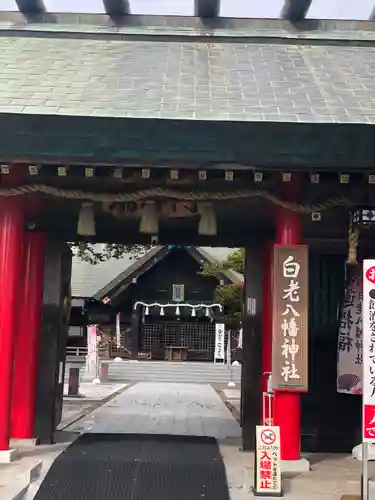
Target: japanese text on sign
<point x="219" y="341"/>
<point x="267" y="467"/>
<point x="290" y="318"/>
<point x="368" y="337"/>
<point x="350" y="345"/>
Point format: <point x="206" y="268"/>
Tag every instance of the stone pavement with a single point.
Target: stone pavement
<point x="32" y="465"/>
<point x="92" y="395"/>
<point x="193" y="409"/>
<point x="197" y="409"/>
<point x="164" y="408"/>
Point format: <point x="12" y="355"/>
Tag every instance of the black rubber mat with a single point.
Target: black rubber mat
<point x="137" y="467"/>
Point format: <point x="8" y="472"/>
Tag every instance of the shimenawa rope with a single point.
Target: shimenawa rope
<point x="159" y="192"/>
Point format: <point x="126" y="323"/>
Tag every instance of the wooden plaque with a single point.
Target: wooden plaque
<point x="290" y="318"/>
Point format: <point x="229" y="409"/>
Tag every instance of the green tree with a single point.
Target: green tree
<point x="89" y="252"/>
<point x="230" y="296"/>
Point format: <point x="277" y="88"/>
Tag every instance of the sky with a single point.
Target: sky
<point x="320" y="9"/>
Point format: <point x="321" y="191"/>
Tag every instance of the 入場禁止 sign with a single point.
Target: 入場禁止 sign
<point x="267" y="464"/>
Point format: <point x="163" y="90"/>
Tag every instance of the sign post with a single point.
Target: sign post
<point x="368" y="377"/>
<point x="267" y="468"/>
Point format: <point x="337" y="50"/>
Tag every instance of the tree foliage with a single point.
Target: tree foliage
<point x="231" y="295"/>
<point x="94" y="254"/>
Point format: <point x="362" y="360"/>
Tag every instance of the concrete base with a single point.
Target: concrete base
<point x="24" y="443"/>
<point x="357" y="452"/>
<point x="293" y="466"/>
<point x="7" y="456"/>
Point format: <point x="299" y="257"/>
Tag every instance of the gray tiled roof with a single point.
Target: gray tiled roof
<point x="88" y="279"/>
<point x="215" y="81"/>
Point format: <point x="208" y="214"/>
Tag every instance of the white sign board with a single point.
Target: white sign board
<point x="92" y="350"/>
<point x="268" y="466"/>
<point x="219" y="341"/>
<point x="368" y="378"/>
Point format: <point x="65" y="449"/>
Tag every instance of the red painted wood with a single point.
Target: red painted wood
<point x="11" y="240"/>
<point x="287" y="405"/>
<point x="28" y="337"/>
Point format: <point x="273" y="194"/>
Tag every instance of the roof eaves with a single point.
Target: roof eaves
<point x="113" y="284"/>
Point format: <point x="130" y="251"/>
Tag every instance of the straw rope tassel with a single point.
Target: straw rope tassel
<point x="353" y="239"/>
<point x="86" y="220"/>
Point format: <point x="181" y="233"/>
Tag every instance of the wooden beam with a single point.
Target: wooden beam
<point x="30" y="7"/>
<point x="116" y="8"/>
<point x="295" y="10"/>
<point x="207" y="9"/>
<point x="251" y="376"/>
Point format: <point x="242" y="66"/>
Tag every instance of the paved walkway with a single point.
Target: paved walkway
<point x="196" y="409"/>
<point x="162" y="408"/>
<point x="91" y="396"/>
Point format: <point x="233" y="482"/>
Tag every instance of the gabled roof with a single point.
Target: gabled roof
<point x="97" y="280"/>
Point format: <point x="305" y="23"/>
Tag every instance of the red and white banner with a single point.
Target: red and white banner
<point x="368" y="379"/>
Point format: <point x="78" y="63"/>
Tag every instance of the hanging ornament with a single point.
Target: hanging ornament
<point x="150" y="219"/>
<point x="207" y="312"/>
<point x="208" y="223"/>
<point x="147" y="311"/>
<point x="162" y="311"/>
<point x="177" y="311"/>
<point x="193" y="311"/>
<point x="86" y="220"/>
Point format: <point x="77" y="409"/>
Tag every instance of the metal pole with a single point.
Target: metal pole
<point x="364" y="483"/>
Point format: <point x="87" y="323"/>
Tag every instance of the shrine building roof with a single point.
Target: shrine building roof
<point x="280" y="61"/>
<point x="97" y="280"/>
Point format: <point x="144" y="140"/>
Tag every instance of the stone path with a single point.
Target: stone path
<point x="192" y="409"/>
<point x="195" y="409"/>
<point x="91" y="394"/>
<point x="164" y="408"/>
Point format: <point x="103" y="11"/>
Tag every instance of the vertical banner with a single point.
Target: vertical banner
<point x="349" y="345"/>
<point x="368" y="378"/>
<point x="92" y="350"/>
<point x="229" y="348"/>
<point x="240" y="336"/>
<point x="267" y="462"/>
<point x="290" y="318"/>
<point x="219" y="341"/>
<point x="118" y="331"/>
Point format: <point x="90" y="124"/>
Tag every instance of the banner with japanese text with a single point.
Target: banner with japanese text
<point x="368" y="377"/>
<point x="349" y="345"/>
<point x="290" y="318"/>
<point x="219" y="341"/>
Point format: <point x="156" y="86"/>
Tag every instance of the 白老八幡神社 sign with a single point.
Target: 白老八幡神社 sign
<point x="290" y="318"/>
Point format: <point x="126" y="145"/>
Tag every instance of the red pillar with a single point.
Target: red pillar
<point x="11" y="240"/>
<point x="27" y="337"/>
<point x="287" y="410"/>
